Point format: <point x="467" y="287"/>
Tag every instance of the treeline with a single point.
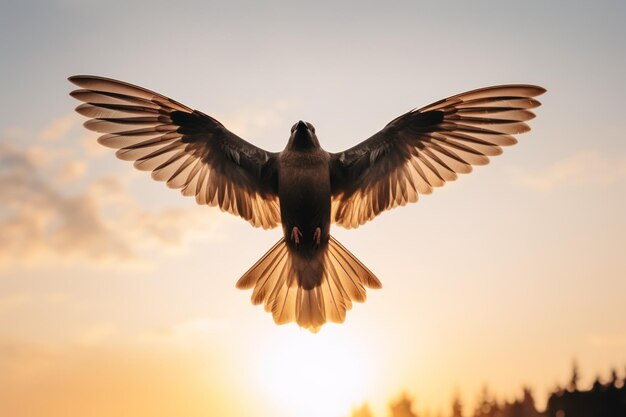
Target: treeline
<point x="606" y="399"/>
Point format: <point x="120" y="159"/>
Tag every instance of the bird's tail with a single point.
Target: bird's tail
<point x="309" y="291"/>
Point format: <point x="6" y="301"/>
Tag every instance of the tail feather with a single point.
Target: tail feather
<point x="276" y="282"/>
<point x="250" y="278"/>
<point x="334" y="300"/>
<point x="265" y="276"/>
<point x="345" y="273"/>
<point x="310" y="315"/>
<point x="366" y="277"/>
<point x="284" y="305"/>
<point x="278" y="299"/>
<point x="308" y="291"/>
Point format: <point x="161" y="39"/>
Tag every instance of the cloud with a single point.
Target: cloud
<point x="22" y="362"/>
<point x="189" y="333"/>
<point x="100" y="221"/>
<point x="58" y="128"/>
<point x="71" y="171"/>
<point x="26" y="361"/>
<point x="252" y="119"/>
<point x="91" y="147"/>
<point x="582" y="168"/>
<point x="15" y="301"/>
<point x="97" y="334"/>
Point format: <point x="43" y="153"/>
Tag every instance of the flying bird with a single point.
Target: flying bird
<point x="308" y="277"/>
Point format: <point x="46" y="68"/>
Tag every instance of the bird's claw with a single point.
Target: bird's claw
<point x="317" y="236"/>
<point x="296" y="235"/>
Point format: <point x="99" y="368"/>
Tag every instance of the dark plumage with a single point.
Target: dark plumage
<point x="307" y="277"/>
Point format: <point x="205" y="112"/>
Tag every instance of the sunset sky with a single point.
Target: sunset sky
<point x="117" y="295"/>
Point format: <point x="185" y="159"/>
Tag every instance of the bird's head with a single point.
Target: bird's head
<point x="303" y="136"/>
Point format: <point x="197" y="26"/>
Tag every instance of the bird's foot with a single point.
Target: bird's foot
<point x="296" y="235"/>
<point x="317" y="236"/>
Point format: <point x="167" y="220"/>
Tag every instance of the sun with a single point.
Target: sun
<point x="315" y="375"/>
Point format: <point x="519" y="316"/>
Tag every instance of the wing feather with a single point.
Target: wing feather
<point x="425" y="148"/>
<point x="185" y="148"/>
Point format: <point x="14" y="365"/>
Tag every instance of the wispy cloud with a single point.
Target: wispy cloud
<point x="18" y="300"/>
<point x="23" y="360"/>
<point x="97" y="334"/>
<point x="13" y="301"/>
<point x="91" y="148"/>
<point x="58" y="128"/>
<point x="252" y="119"/>
<point x="582" y="168"/>
<point x="190" y="332"/>
<point x="71" y="171"/>
<point x="41" y="219"/>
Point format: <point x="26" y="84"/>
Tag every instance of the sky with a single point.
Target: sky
<point x="117" y="295"/>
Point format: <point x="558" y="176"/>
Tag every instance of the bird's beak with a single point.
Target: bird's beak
<point x="303" y="136"/>
<point x="302" y="126"/>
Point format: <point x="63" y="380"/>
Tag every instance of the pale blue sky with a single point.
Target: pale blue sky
<point x="520" y="262"/>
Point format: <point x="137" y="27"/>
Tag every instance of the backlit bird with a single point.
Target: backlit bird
<point x="307" y="277"/>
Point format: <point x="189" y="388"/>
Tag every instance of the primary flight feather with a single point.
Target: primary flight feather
<point x="307" y="277"/>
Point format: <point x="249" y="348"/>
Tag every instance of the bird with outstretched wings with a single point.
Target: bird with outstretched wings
<point x="307" y="277"/>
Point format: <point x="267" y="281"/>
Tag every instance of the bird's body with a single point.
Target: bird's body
<point x="304" y="194"/>
<point x="307" y="276"/>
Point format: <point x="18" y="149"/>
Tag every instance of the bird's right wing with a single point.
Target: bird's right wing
<point x="186" y="148"/>
<point x="425" y="148"/>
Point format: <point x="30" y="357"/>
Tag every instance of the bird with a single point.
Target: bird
<point x="307" y="277"/>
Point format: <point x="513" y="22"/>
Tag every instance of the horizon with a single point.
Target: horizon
<point x="526" y="396"/>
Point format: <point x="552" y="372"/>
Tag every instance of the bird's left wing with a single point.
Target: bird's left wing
<point x="425" y="148"/>
<point x="186" y="148"/>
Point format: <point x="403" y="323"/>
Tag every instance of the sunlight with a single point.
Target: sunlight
<point x="315" y="375"/>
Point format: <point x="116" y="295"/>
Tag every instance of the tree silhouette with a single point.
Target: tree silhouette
<point x="402" y="407"/>
<point x="486" y="406"/>
<point x="614" y="381"/>
<point x="521" y="408"/>
<point x="601" y="400"/>
<point x="457" y="406"/>
<point x="573" y="383"/>
<point x="362" y="411"/>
